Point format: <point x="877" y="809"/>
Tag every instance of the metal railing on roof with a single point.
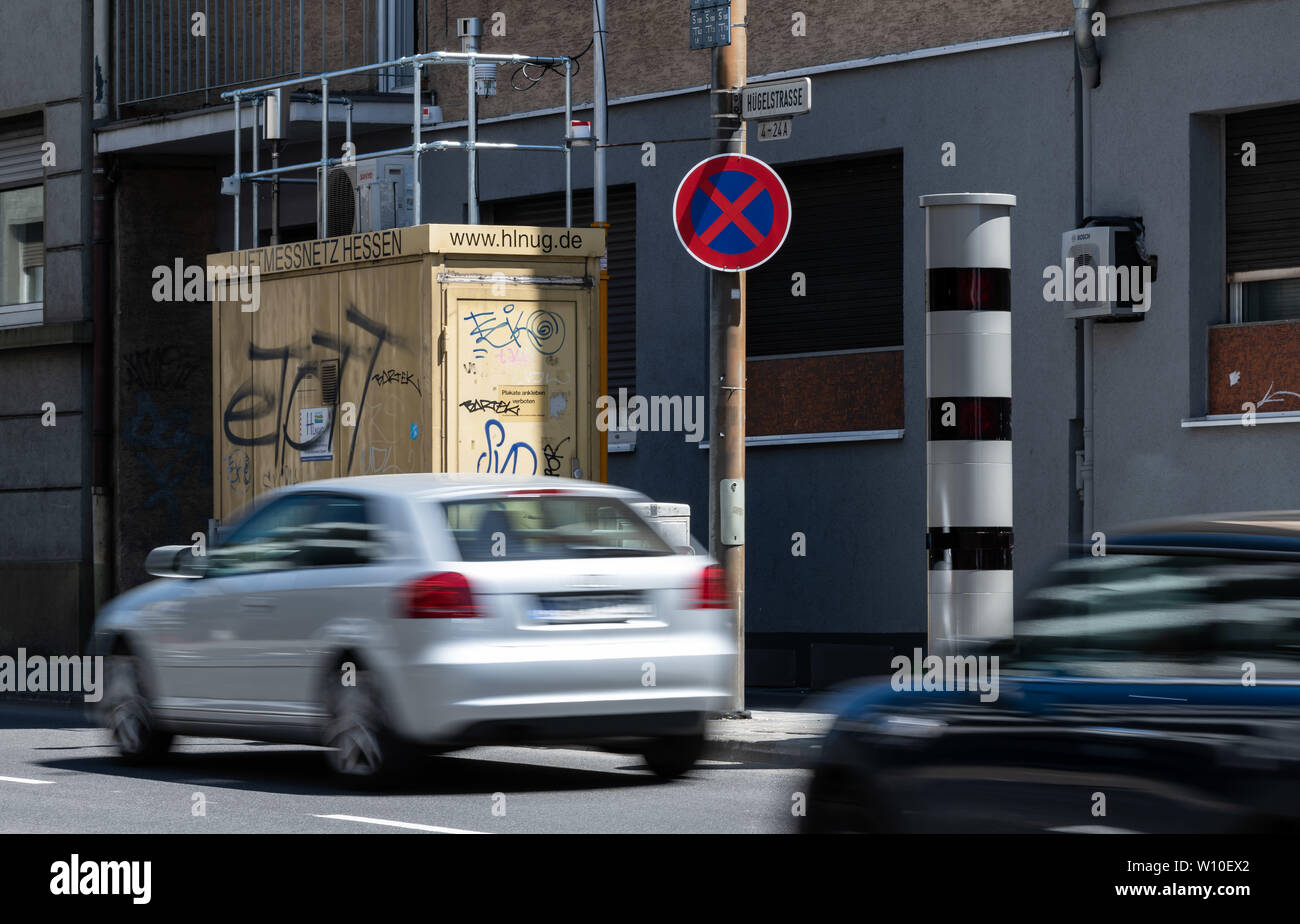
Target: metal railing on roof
<point x="257" y="95"/>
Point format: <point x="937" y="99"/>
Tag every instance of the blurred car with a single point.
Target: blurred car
<point x="392" y="615"/>
<point x="1154" y="688"/>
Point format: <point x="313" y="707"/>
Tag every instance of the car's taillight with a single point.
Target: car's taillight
<point x="711" y="591"/>
<point x="440" y="596"/>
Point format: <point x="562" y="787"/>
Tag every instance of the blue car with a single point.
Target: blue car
<point x="1154" y="687"/>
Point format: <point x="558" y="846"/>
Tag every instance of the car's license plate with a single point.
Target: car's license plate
<point x="590" y="608"/>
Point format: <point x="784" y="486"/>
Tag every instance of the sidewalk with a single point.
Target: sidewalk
<point x="784" y="737"/>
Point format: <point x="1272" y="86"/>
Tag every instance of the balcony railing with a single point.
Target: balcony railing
<point x="178" y="54"/>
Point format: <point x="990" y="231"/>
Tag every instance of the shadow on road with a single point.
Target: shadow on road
<point x="303" y="771"/>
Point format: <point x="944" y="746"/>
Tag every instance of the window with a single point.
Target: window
<point x="549" y="526"/>
<point x="22" y="227"/>
<point x="826" y="312"/>
<point x="395" y="35"/>
<point x="22" y="251"/>
<point x="1263" y="215"/>
<point x="1264" y="295"/>
<point x="299" y="531"/>
<point x="846" y="239"/>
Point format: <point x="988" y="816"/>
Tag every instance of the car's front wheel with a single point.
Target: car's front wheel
<point x="364" y="750"/>
<point x="128" y="715"/>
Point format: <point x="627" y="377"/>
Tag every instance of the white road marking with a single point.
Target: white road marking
<point x="1091" y="829"/>
<point x="19" y="779"/>
<point x="398" y="824"/>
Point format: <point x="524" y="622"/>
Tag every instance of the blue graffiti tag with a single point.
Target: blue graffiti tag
<point x="498" y="464"/>
<point x="543" y="329"/>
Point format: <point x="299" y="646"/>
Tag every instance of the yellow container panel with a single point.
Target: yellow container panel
<point x="434" y="348"/>
<point x="294" y="437"/>
<point x="519" y="385"/>
<point x="387" y="377"/>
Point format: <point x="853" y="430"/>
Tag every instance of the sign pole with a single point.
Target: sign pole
<point x="727" y="355"/>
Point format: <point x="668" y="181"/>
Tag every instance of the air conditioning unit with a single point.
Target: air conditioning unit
<point x="373" y="194"/>
<point x="1104" y="273"/>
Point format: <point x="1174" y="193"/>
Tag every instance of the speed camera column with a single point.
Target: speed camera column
<point x="968" y="416"/>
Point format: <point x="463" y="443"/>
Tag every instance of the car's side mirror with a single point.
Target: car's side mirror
<point x="174" y="561"/>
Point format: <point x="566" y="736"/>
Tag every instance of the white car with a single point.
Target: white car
<point x="393" y="615"/>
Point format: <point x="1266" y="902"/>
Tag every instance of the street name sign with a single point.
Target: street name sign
<point x="776" y="100"/>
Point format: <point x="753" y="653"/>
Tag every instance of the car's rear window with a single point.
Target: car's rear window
<point x="532" y="526"/>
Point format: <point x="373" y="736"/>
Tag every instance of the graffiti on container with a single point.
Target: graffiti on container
<point x="498" y="463"/>
<point x="398" y="377"/>
<point x="543" y="377"/>
<point x="554" y="461"/>
<point x="379" y="455"/>
<point x="279" y="479"/>
<point x="541" y="329"/>
<point x="492" y="406"/>
<point x="251" y="404"/>
<point x="239" y="472"/>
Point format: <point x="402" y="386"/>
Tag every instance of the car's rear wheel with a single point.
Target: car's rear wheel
<point x="364" y="750"/>
<point x="670" y="756"/>
<point x="128" y="715"/>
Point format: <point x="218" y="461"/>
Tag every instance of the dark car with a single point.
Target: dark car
<point x="1152" y="688"/>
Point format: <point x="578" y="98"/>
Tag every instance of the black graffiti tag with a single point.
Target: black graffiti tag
<point x="501" y="408"/>
<point x="249" y="404"/>
<point x="553" y="458"/>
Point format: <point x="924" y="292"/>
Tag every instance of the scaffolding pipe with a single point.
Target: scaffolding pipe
<point x="470" y="31"/>
<point x="568" y="143"/>
<point x="415" y="148"/>
<point x="432" y="57"/>
<point x="257" y="196"/>
<point x="471" y="145"/>
<point x="405" y="149"/>
<point x="322" y="213"/>
<point x="238" y="181"/>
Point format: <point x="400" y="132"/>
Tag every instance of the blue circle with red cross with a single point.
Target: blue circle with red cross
<point x="731" y="212"/>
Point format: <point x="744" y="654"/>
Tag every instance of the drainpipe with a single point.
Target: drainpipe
<point x="1085" y="44"/>
<point x="1090" y="77"/>
<point x="101" y="360"/>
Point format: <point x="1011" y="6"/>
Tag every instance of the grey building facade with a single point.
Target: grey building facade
<point x="836" y="465"/>
<point x="48" y="505"/>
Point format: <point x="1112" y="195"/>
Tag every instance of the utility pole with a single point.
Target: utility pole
<point x="727" y="342"/>
<point x="599" y="204"/>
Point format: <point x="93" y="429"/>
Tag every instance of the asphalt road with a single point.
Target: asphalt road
<point x="59" y="775"/>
